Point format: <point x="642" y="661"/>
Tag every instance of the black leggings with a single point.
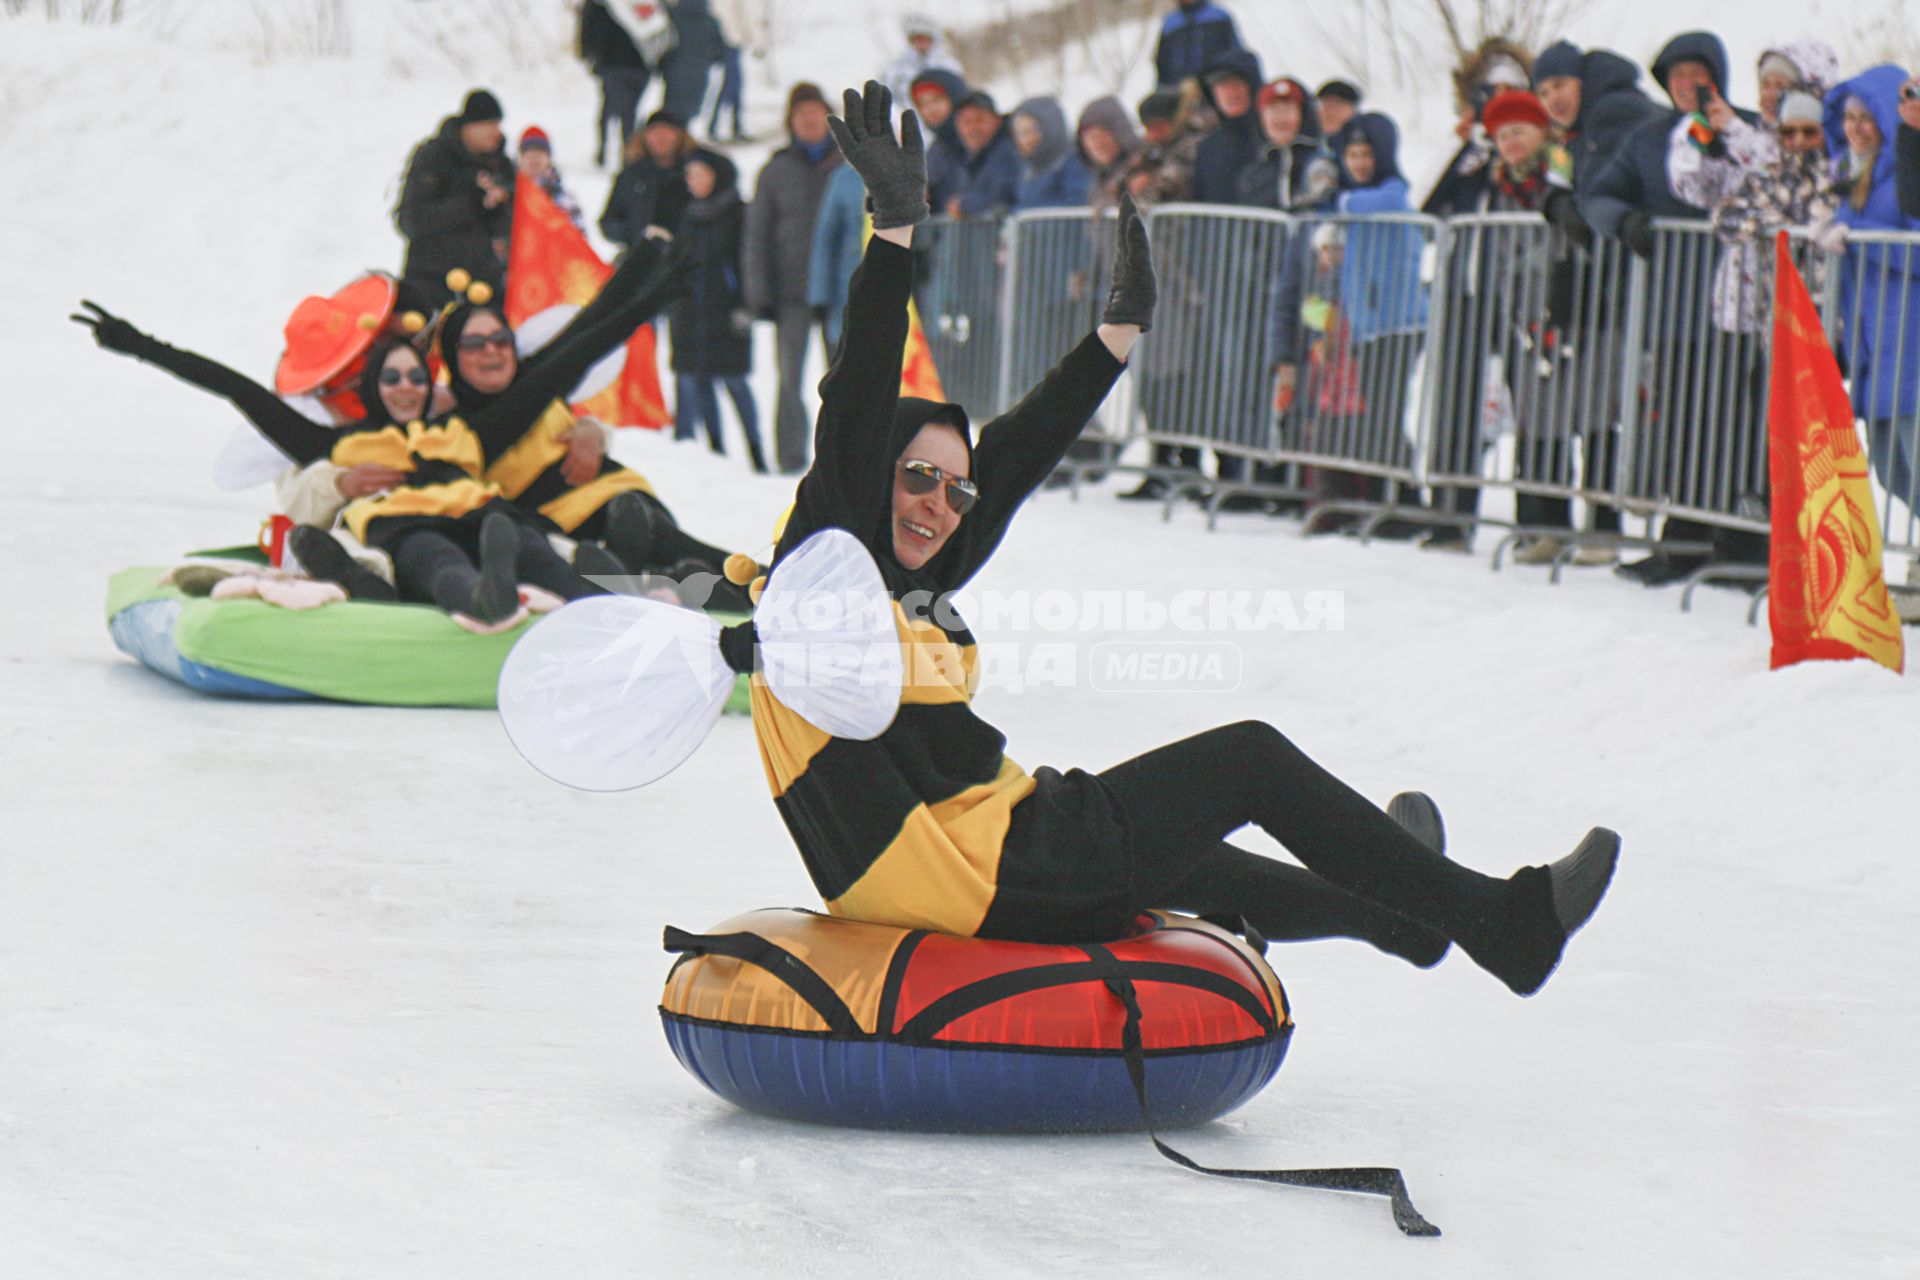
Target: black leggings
<point x="666" y="543"/>
<point x="1365" y="877"/>
<point x="438" y="565"/>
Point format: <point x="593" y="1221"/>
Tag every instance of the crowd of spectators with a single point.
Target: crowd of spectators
<point x="1582" y="137"/>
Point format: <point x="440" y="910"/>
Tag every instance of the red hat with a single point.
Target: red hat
<point x="1285" y="89"/>
<point x="327" y="337"/>
<point x="535" y="137"/>
<point x="1513" y="106"/>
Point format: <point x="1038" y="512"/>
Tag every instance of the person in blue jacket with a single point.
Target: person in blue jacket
<point x="1052" y="175"/>
<point x="1191" y="37"/>
<point x="839" y="237"/>
<point x="1880" y="284"/>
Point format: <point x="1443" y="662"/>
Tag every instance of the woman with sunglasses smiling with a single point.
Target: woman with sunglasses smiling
<point x="930" y="825"/>
<point x="454" y="539"/>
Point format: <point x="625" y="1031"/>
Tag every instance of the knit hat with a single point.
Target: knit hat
<point x="666" y="117"/>
<point x="919" y="24"/>
<point x="1285" y="89"/>
<point x="1162" y="104"/>
<point x="1340" y="89"/>
<point x="976" y="98"/>
<point x="480" y="106"/>
<point x="1561" y="59"/>
<point x="1774" y="63"/>
<point x="804" y="92"/>
<point x="1513" y="106"/>
<point x="1797" y="106"/>
<point x="535" y="139"/>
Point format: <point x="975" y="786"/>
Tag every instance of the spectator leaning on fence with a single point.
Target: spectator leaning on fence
<point x="1707" y="164"/>
<point x="1232" y="80"/>
<point x="776" y="261"/>
<point x="1594" y="101"/>
<point x="924" y="53"/>
<point x="1052" y="175"/>
<point x="1191" y="38"/>
<point x="1497" y="65"/>
<point x="986" y="182"/>
<point x="1292" y="171"/>
<point x="1793" y="189"/>
<point x="1879" y="284"/>
<point x="456" y="203"/>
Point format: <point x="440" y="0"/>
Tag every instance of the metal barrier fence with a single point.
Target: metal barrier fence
<point x="1386" y="353"/>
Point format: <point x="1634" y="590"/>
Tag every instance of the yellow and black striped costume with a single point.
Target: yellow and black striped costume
<point x="928" y="825"/>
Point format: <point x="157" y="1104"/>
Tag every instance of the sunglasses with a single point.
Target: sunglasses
<point x="417" y="375"/>
<point x="502" y="338"/>
<point x="922" y="478"/>
<point x="1800" y="131"/>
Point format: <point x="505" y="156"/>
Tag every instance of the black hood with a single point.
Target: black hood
<point x="1243" y="63"/>
<point x="1382" y="135"/>
<point x="1694" y="46"/>
<point x="910" y="413"/>
<point x="1603" y="72"/>
<point x="468" y="397"/>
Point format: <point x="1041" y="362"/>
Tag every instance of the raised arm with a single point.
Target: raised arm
<point x="288" y="429"/>
<point x="637" y="294"/>
<point x="847" y="485"/>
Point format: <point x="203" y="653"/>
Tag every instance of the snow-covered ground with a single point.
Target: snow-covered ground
<point x="335" y="991"/>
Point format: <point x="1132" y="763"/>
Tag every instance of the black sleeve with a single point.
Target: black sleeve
<point x="287" y="428"/>
<point x="431" y="203"/>
<point x="1906" y="169"/>
<point x="849" y="484"/>
<point x="621" y="306"/>
<point x="1020" y="448"/>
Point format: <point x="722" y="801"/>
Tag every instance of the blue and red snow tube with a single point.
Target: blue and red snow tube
<point x="805" y="1016"/>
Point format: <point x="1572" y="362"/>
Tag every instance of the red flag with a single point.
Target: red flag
<point x="1828" y="595"/>
<point x="550" y="263"/>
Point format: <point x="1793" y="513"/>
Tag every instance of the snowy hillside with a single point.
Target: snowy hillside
<point x="332" y="991"/>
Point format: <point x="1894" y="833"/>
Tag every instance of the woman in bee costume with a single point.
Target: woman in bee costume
<point x="927" y="823"/>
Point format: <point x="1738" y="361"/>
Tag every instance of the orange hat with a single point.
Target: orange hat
<point x="327" y="337"/>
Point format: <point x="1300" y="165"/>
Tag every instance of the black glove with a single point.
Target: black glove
<point x="111" y="332"/>
<point x="895" y="173"/>
<point x="1636" y="232"/>
<point x="1564" y="215"/>
<point x="1131" y="299"/>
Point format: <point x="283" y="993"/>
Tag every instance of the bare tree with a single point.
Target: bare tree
<point x="1394" y="41"/>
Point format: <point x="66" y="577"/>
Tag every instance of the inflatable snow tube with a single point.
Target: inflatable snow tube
<point x="384" y="654"/>
<point x="808" y="1017"/>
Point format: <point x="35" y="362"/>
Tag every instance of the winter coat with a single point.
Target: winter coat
<point x="698" y="45"/>
<point x="839" y="234"/>
<point x="1906" y="170"/>
<point x="1879" y="284"/>
<point x="1053" y="177"/>
<point x="645" y="194"/>
<point x="706" y="339"/>
<point x="1170" y="166"/>
<point x="1191" y="37"/>
<point x="943" y="144"/>
<point x="1611" y="107"/>
<point x="1283" y="177"/>
<point x="779" y="245"/>
<point x="1793" y="191"/>
<point x="986" y="182"/>
<point x="443" y="213"/>
<point x="1706" y="178"/>
<point x="1380" y="274"/>
<point x="604" y="43"/>
<point x="1234" y="144"/>
<point x="1636" y="177"/>
<point x="901" y="71"/>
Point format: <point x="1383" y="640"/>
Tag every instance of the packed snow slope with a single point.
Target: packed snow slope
<point x="336" y="991"/>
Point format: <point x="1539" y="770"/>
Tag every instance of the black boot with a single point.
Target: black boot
<point x="496" y="596"/>
<point x="633" y="531"/>
<point x="1545" y="907"/>
<point x="1416" y="811"/>
<point x="756" y="457"/>
<point x="322" y="556"/>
